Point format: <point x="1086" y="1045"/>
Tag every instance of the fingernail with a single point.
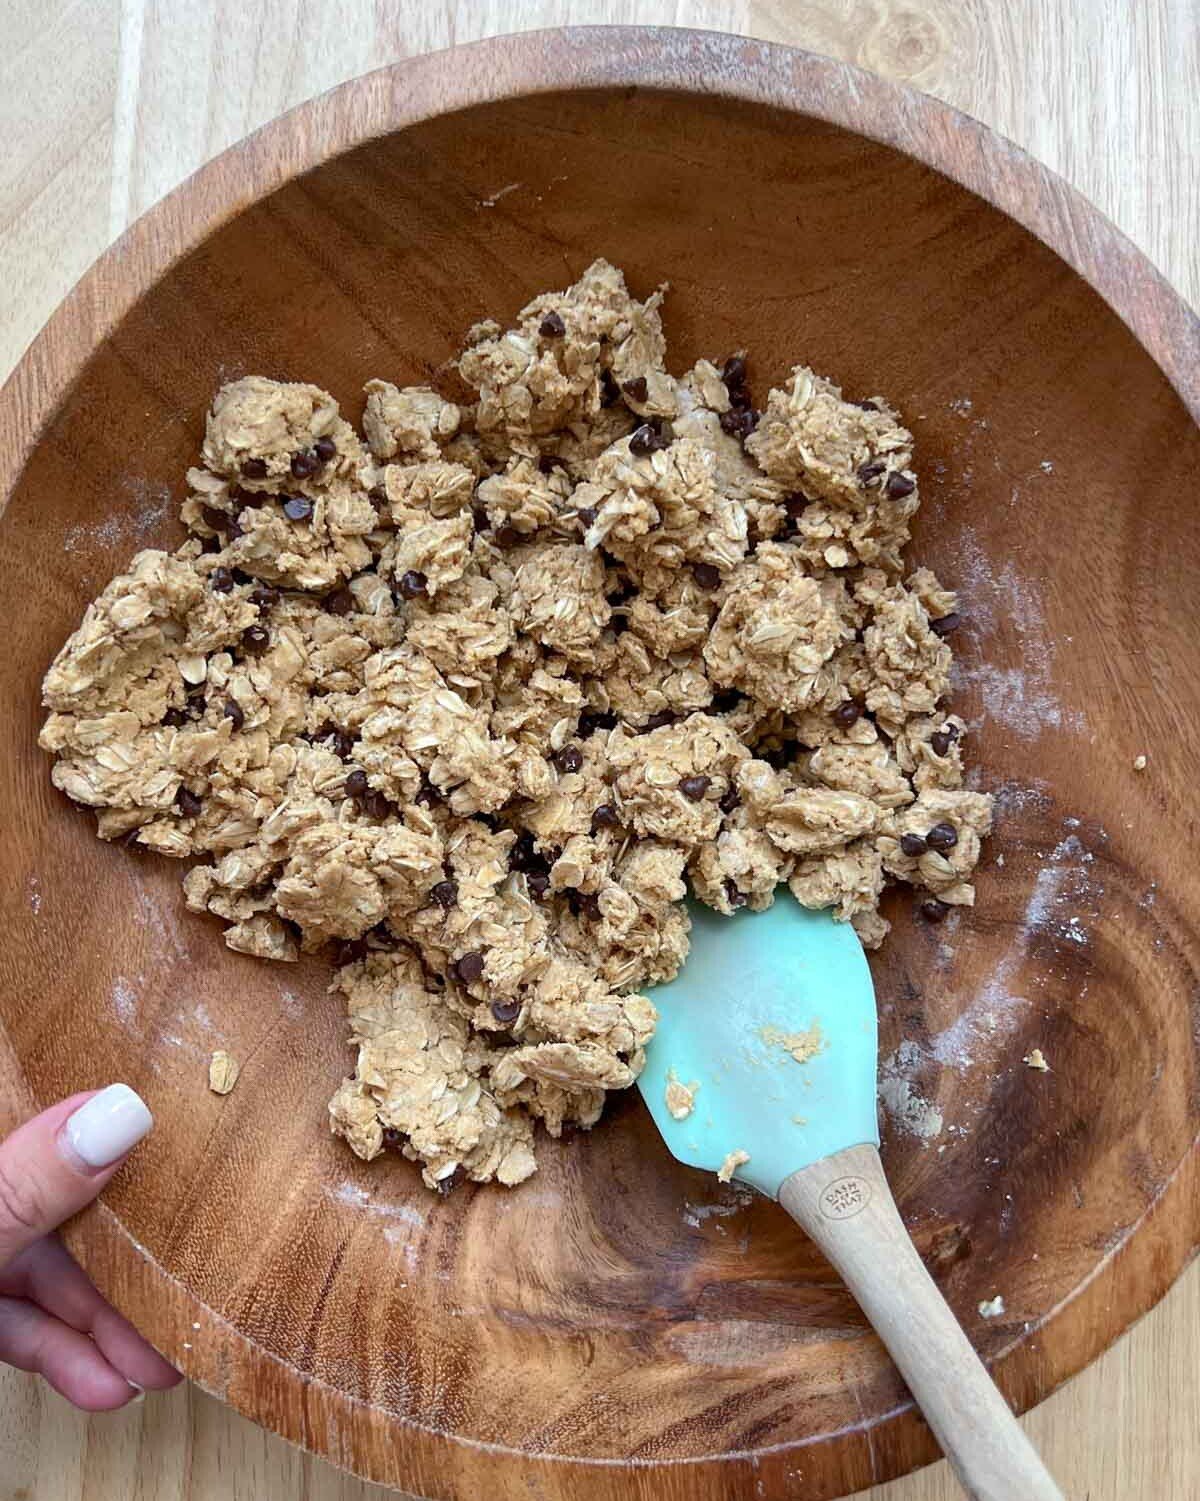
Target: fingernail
<point x="107" y="1126"/>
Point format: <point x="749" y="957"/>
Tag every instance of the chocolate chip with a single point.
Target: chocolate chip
<point x="706" y="575"/>
<point x="610" y="392"/>
<point x="233" y="711"/>
<point x="356" y="783"/>
<point x="506" y="1011"/>
<point x="569" y="759"/>
<point x="846" y="714"/>
<point x="220" y="580"/>
<point x="636" y="388"/>
<point x="942" y="837"/>
<point x="796" y="504"/>
<point x="187" y="802"/>
<point x="218" y="521"/>
<point x="255" y="640"/>
<point x="342" y="741"/>
<point x="176" y="717"/>
<point x="912" y="845"/>
<point x="660" y="720"/>
<point x="933" y="911"/>
<point x="552" y="326"/>
<point x="304" y="464"/>
<point x="297" y="507"/>
<point x="592" y="720"/>
<point x="586" y="517"/>
<point x="340" y="602"/>
<point x="898" y="485"/>
<point x="739" y="422"/>
<point x="694" y="788"/>
<point x="469" y="967"/>
<point x="733" y="372"/>
<point x="264" y="596"/>
<point x="647" y="439"/>
<point x="507" y="536"/>
<point x="867" y="406"/>
<point x="729" y="800"/>
<point x="413" y="584"/>
<point x="605" y="817"/>
<point x="538" y="884"/>
<point x="944" y="624"/>
<point x="375" y="805"/>
<point x="584" y="904"/>
<point x="868" y="472"/>
<point x="479" y="517"/>
<point x="325" y="449"/>
<point x="445" y="894"/>
<point x="254" y="468"/>
<point x="428" y="795"/>
<point x="735" y="897"/>
<point x="940" y="742"/>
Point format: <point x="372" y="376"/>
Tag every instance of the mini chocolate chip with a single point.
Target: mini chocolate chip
<point x="636" y="388"/>
<point x="867" y="406"/>
<point x="356" y="783"/>
<point x="393" y="1140"/>
<point x="479" y="516"/>
<point x="933" y="910"/>
<point x="944" y="624"/>
<point x="592" y="720"/>
<point x="255" y="640"/>
<point x="740" y="422"/>
<point x="176" y="717"/>
<point x="325" y="449"/>
<point x="647" y="439"/>
<point x="735" y="897"/>
<point x="523" y="855"/>
<point x="375" y="805"/>
<point x="343" y="741"/>
<point x="586" y="516"/>
<point x="428" y="795"/>
<point x="253" y="468"/>
<point x="694" y="788"/>
<point x="506" y="1011"/>
<point x="469" y="967"/>
<point x="898" y="485"/>
<point x="796" y="504"/>
<point x="605" y="817"/>
<point x="729" y="800"/>
<point x="610" y="392"/>
<point x="233" y="711"/>
<point x="846" y="714"/>
<point x="912" y="845"/>
<point x="507" y="536"/>
<point x="210" y="544"/>
<point x="445" y="894"/>
<point x="707" y="575"/>
<point x="304" y="464"/>
<point x="297" y="507"/>
<point x="583" y="903"/>
<point x="733" y="371"/>
<point x="220" y="580"/>
<point x="187" y="802"/>
<point x="538" y="884"/>
<point x="264" y="596"/>
<point x="218" y="521"/>
<point x="340" y="602"/>
<point x="942" y="837"/>
<point x="940" y="742"/>
<point x="868" y="472"/>
<point x="378" y="494"/>
<point x="413" y="584"/>
<point x="569" y="759"/>
<point x="450" y="1182"/>
<point x="660" y="720"/>
<point x="552" y="326"/>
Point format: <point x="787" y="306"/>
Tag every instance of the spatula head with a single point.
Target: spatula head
<point x="773" y="1017"/>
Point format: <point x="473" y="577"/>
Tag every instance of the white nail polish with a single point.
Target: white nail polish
<point x="108" y="1125"/>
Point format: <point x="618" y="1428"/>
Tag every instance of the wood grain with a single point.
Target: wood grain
<point x="299" y="1467"/>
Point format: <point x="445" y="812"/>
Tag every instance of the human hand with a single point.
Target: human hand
<point x="52" y="1320"/>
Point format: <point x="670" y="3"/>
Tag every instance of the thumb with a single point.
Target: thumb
<point x="60" y="1160"/>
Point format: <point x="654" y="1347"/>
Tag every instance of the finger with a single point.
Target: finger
<point x="47" y="1274"/>
<point x="33" y="1341"/>
<point x="56" y="1163"/>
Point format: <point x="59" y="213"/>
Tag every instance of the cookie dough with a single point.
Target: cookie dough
<point x="471" y="694"/>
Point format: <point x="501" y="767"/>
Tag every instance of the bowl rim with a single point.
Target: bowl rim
<point x="346" y="1430"/>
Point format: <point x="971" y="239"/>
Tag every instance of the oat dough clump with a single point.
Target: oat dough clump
<point x="472" y="693"/>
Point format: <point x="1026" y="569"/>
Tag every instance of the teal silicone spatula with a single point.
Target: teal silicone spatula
<point x="771" y="1027"/>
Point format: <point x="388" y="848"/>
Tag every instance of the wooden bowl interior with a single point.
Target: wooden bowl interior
<point x="618" y="1304"/>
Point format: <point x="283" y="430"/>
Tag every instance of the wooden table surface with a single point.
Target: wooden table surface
<point x="106" y="104"/>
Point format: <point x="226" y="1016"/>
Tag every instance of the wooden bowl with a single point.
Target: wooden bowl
<point x="620" y="1327"/>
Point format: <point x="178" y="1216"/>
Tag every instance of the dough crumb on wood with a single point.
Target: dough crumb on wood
<point x="1035" y="1058"/>
<point x="1139" y="763"/>
<point x="223" y="1071"/>
<point x="992" y="1308"/>
<point x="681" y="1098"/>
<point x="735" y="1159"/>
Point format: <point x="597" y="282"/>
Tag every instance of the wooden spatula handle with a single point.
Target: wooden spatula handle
<point x="845" y="1205"/>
